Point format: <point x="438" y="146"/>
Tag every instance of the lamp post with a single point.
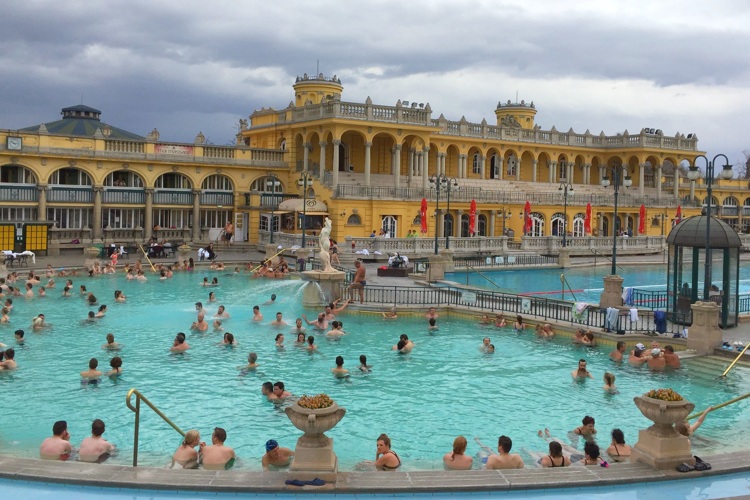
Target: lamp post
<point x="617" y="171"/>
<point x="272" y="183"/>
<point x="566" y="188"/>
<point x="304" y="179"/>
<point x="442" y="182"/>
<point x="693" y="175"/>
<point x="505" y="214"/>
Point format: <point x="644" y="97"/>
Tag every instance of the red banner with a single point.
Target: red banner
<point x="642" y="223"/>
<point x="423" y="215"/>
<point x="527" y="224"/>
<point x="587" y="220"/>
<point x="472" y="218"/>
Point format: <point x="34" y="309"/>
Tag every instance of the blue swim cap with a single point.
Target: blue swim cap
<point x="271" y="444"/>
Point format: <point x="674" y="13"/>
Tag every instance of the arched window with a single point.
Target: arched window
<point x="465" y="225"/>
<point x="476" y="166"/>
<point x="173" y="180"/>
<point x="267" y="184"/>
<point x="494" y="167"/>
<point x="123" y="178"/>
<point x="16" y="174"/>
<point x="537" y="224"/>
<point x="448" y="225"/>
<point x="70" y="177"/>
<point x="217" y="182"/>
<point x="482" y="225"/>
<point x="354" y="220"/>
<point x="390" y="225"/>
<point x="512" y="165"/>
<point x="579" y="225"/>
<point x="558" y="224"/>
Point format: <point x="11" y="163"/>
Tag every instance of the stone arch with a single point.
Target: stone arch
<point x="493" y="163"/>
<point x="526" y="171"/>
<point x="173" y="180"/>
<point x="266" y="184"/>
<point x="13" y="173"/>
<point x="511" y="163"/>
<point x="474" y="163"/>
<point x="451" y="160"/>
<point x="70" y="176"/>
<point x="124" y="178"/>
<point x="352" y="151"/>
<point x="409" y="143"/>
<point x="217" y="182"/>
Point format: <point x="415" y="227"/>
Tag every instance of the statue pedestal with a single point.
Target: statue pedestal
<point x="661" y="446"/>
<point x="439" y="265"/>
<point x="612" y="294"/>
<point x="705" y="335"/>
<point x="323" y="287"/>
<point x="564" y="258"/>
<point x="314" y="450"/>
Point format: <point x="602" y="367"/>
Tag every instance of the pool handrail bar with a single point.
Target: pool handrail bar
<point x="597" y="252"/>
<point x="735" y="361"/>
<point x="564" y="281"/>
<point x="722" y="405"/>
<point x="147" y="259"/>
<point x="269" y="258"/>
<point x="483" y="276"/>
<point x="137" y="410"/>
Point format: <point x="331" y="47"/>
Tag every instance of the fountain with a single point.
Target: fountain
<point x="328" y="279"/>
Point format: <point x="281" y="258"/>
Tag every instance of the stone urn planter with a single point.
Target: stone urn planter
<point x="183" y="251"/>
<point x="664" y="414"/>
<point x="91" y="252"/>
<point x="314" y="451"/>
<point x="660" y="445"/>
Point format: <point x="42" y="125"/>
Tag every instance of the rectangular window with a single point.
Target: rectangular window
<point x="117" y="218"/>
<point x="71" y="218"/>
<point x="14" y="214"/>
<point x="215" y="218"/>
<point x="174" y="218"/>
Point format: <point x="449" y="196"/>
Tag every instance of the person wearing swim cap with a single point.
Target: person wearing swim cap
<point x="656" y="361"/>
<point x="276" y="456"/>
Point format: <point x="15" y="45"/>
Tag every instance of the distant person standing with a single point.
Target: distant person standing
<point x="228" y="233"/>
<point x="359" y="282"/>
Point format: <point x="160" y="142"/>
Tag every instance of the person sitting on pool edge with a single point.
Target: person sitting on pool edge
<point x="457" y="459"/>
<point x="504" y="459"/>
<point x="217" y="456"/>
<point x="95" y="448"/>
<point x="58" y="446"/>
<point x="276" y="456"/>
<point x="186" y="456"/>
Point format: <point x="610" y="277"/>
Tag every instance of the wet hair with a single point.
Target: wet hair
<point x="459" y="446"/>
<point x="279" y="384"/>
<point x="385" y="439"/>
<point x="190" y="437"/>
<point x="102" y="307"/>
<point x="432" y="321"/>
<point x="252" y="357"/>
<point x="587" y="420"/>
<point x="92" y="314"/>
<point x="268" y="386"/>
<point x="110" y="338"/>
<point x="505" y="443"/>
<point x="617" y="436"/>
<point x="404" y="337"/>
<point x="118" y="293"/>
<point x="310" y="340"/>
<point x="620" y="344"/>
<point x="199" y="304"/>
<point x="66" y="288"/>
<point x="221" y="434"/>
<point x="519" y="319"/>
<point x="298" y="336"/>
<point x="256" y="308"/>
<point x="335" y="324"/>
<point x="637" y="352"/>
<point x="19" y="333"/>
<point x="363" y="359"/>
<point x="92" y="299"/>
<point x="93" y="363"/>
<point x="681" y="427"/>
<point x="609" y="378"/>
<point x="116" y="362"/>
<point x="591" y="449"/>
<point x="401" y="344"/>
<point x="273" y="296"/>
<point x="668" y="348"/>
<point x="59" y="427"/>
<point x="339" y="361"/>
<point x="555" y="449"/>
<point x="229" y="338"/>
<point x="97" y="427"/>
<point x="278" y="336"/>
<point x="180" y="337"/>
<point x="10" y="353"/>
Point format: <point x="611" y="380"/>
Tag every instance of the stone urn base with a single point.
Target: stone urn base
<point x="327" y="289"/>
<point x="314" y="450"/>
<point x="661" y="446"/>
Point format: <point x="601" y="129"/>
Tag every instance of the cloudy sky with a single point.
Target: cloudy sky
<point x="188" y="66"/>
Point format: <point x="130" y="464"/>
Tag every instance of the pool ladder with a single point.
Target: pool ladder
<point x="137" y="410"/>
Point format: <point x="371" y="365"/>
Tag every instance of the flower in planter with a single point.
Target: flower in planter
<point x="315" y="402"/>
<point x="664" y="395"/>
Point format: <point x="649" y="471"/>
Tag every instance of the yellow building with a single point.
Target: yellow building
<point x="366" y="166"/>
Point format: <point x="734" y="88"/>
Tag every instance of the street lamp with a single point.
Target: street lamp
<point x="693" y="175"/>
<point x="439" y="182"/>
<point x="272" y="183"/>
<point x="304" y="179"/>
<point x="505" y="214"/>
<point x="566" y="188"/>
<point x="617" y="171"/>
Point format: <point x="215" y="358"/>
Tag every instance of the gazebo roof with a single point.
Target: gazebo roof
<point x="692" y="233"/>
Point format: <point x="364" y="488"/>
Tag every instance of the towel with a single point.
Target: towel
<point x="580" y="307"/>
<point x="627" y="296"/>
<point x="660" y="321"/>
<point x="633" y="315"/>
<point x="612" y="319"/>
<point x="364" y="251"/>
<point x="580" y="313"/>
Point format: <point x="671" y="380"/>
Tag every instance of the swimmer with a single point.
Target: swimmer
<point x="656" y="362"/>
<point x="280" y="392"/>
<point x="211" y="297"/>
<point x="555" y="458"/>
<point x="672" y="359"/>
<point x="18" y="335"/>
<point x="42" y="292"/>
<point x="217" y="456"/>
<point x="298" y="328"/>
<point x="279" y="321"/>
<point x="431" y="314"/>
<point x="616" y="355"/>
<point x="267" y="390"/>
<point x="222" y="313"/>
<point x="491" y="349"/>
<point x="92" y="373"/>
<point x="581" y="373"/>
<point x="499" y="321"/>
<point x="311" y="347"/>
<point x="217" y="326"/>
<point x="276" y="456"/>
<point x="592" y="457"/>
<point x="519" y="324"/>
<point x="228" y="340"/>
<point x="457" y="459"/>
<point x="179" y="344"/>
<point x="257" y="316"/>
<point x="586" y="430"/>
<point x="141" y="277"/>
<point x="66" y="291"/>
<point x="111" y="344"/>
<point x="301" y="339"/>
<point x="51" y="283"/>
<point x="504" y="459"/>
<point x="363" y="366"/>
<point x="186" y="456"/>
<point x="572" y="452"/>
<point x="618" y="451"/>
<point x="340" y="371"/>
<point x="336" y="331"/>
<point x="4" y="315"/>
<point x="38" y="323"/>
<point x="390" y="314"/>
<point x="10" y="360"/>
<point x="205" y="281"/>
<point x="636" y="357"/>
<point x="58" y="446"/>
<point x="116" y="365"/>
<point x="320" y="323"/>
<point x="279" y="341"/>
<point x="609" y="383"/>
<point x="272" y="300"/>
<point x="90" y="318"/>
<point x="485" y="320"/>
<point x="200" y="324"/>
<point x="252" y="364"/>
<point x="432" y="325"/>
<point x="199" y="308"/>
<point x="82" y="289"/>
<point x="29" y="291"/>
<point x="119" y="296"/>
<point x="215" y="281"/>
<point x="102" y="311"/>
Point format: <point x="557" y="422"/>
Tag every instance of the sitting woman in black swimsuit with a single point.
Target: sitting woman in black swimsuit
<point x="555" y="457"/>
<point x="386" y="459"/>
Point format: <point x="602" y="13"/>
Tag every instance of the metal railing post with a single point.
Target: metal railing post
<point x="135" y="434"/>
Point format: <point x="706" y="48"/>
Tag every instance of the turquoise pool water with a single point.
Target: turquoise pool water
<point x="444" y="388"/>
<point x="587" y="283"/>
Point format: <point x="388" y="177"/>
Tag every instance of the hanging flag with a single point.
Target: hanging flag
<point x="678" y="215"/>
<point x="472" y="217"/>
<point x="423" y="216"/>
<point x="642" y="223"/>
<point x="527" y="223"/>
<point x="587" y="220"/>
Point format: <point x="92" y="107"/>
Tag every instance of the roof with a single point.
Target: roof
<point x="692" y="233"/>
<point x="298" y="204"/>
<point x="83" y="121"/>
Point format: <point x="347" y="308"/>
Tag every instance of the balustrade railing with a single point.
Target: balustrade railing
<point x="18" y="192"/>
<point x="173" y="196"/>
<point x="124" y="195"/>
<point x="70" y="194"/>
<point x="217" y="198"/>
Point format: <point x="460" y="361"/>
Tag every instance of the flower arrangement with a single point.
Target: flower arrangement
<point x="664" y="395"/>
<point x="315" y="402"/>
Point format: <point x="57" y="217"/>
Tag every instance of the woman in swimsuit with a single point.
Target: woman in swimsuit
<point x="592" y="457"/>
<point x="519" y="324"/>
<point x="555" y="457"/>
<point x="186" y="456"/>
<point x="618" y="451"/>
<point x="457" y="459"/>
<point x="386" y="459"/>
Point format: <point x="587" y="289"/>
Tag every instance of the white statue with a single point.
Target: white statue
<point x="325" y="246"/>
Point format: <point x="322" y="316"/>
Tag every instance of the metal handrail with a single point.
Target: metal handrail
<point x="483" y="276"/>
<point x="597" y="252"/>
<point x="137" y="410"/>
<point x="735" y="360"/>
<point x="564" y="281"/>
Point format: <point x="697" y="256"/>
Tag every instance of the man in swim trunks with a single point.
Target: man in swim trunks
<point x="200" y="325"/>
<point x="616" y="355"/>
<point x="504" y="459"/>
<point x="581" y="372"/>
<point x="58" y="446"/>
<point x="95" y="448"/>
<point x="216" y="456"/>
<point x="276" y="455"/>
<point x="228" y="233"/>
<point x="672" y="359"/>
<point x="179" y="344"/>
<point x="359" y="282"/>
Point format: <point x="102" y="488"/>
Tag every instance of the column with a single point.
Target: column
<point x="98" y="213"/>
<point x="493" y="216"/>
<point x="149" y="215"/>
<point x="440" y="221"/>
<point x="441" y="164"/>
<point x="197" y="210"/>
<point x="676" y="187"/>
<point x="534" y="169"/>
<point x="482" y="166"/>
<point x="368" y="149"/>
<point x="306" y="156"/>
<point x="426" y="167"/>
<point x="552" y="171"/>
<point x="657" y="174"/>
<point x="641" y="179"/>
<point x="323" y="145"/>
<point x="462" y="163"/>
<point x="456" y="232"/>
<point x="413" y="160"/>
<point x="588" y="174"/>
<point x="518" y="168"/>
<point x="500" y="168"/>
<point x="570" y="173"/>
<point x="42" y="212"/>
<point x="692" y="190"/>
<point x="335" y="166"/>
<point x="397" y="167"/>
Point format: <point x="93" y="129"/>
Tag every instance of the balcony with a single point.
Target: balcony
<point x="222" y="198"/>
<point x="125" y="196"/>
<point x="60" y="194"/>
<point x="18" y="193"/>
<point x="173" y="197"/>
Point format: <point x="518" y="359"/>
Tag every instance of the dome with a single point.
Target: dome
<point x="692" y="233"/>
